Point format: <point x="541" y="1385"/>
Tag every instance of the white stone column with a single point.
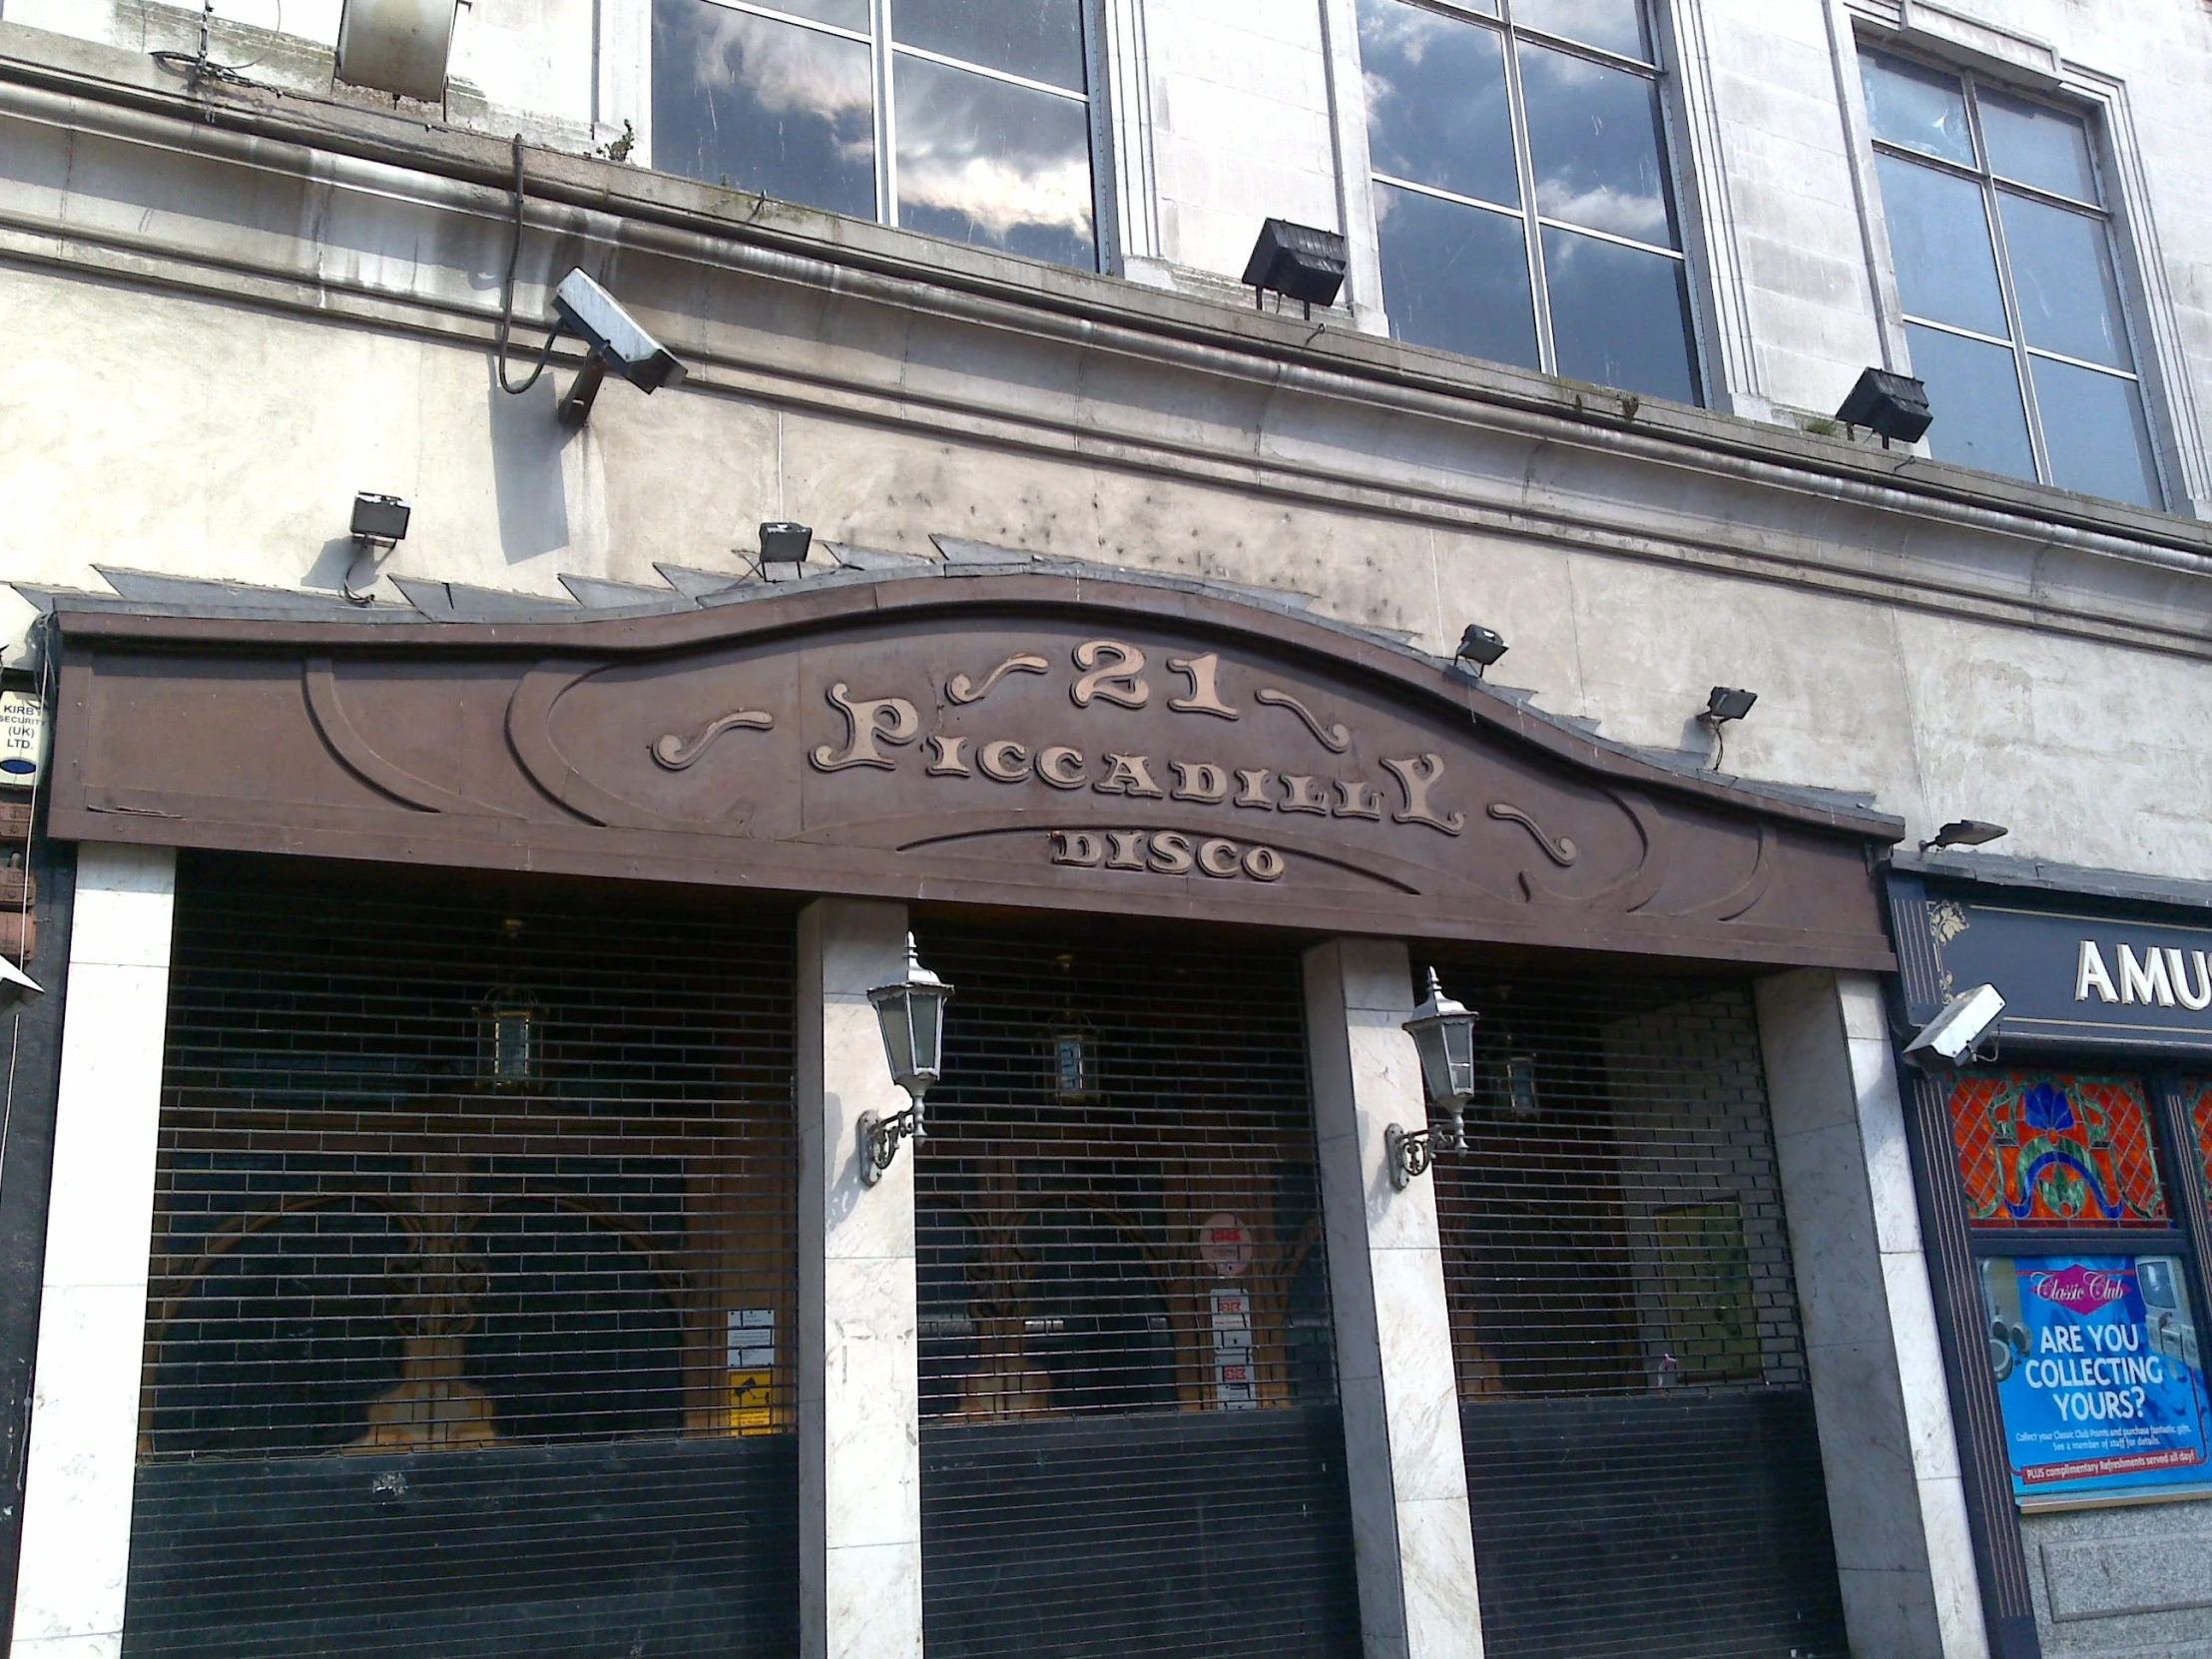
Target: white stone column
<point x="1410" y="1531"/>
<point x="1896" y="1499"/>
<point x="99" y="1235"/>
<point x="860" y="1457"/>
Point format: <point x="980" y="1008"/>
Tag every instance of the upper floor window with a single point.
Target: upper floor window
<point x="2006" y="272"/>
<point x="967" y="119"/>
<point x="1521" y="190"/>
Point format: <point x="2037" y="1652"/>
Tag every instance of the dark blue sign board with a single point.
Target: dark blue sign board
<point x="2067" y="975"/>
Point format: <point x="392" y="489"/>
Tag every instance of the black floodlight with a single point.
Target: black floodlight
<point x="592" y="314"/>
<point x="380" y="520"/>
<point x="1297" y="262"/>
<point x="784" y="543"/>
<point x="1965" y="832"/>
<point x="1894" y="405"/>
<point x="1481" y="646"/>
<point x="1726" y="702"/>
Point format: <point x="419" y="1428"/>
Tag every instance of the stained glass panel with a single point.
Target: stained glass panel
<point x="2198" y="1092"/>
<point x="2051" y="1149"/>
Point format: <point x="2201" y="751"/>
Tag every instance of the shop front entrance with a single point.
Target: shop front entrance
<point x="515" y="1284"/>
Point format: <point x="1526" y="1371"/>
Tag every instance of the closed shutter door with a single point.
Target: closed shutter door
<point x="469" y="1320"/>
<point x="1642" y="1464"/>
<point x="1130" y="1437"/>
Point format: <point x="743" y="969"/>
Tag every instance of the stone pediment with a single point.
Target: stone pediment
<point x="1044" y="740"/>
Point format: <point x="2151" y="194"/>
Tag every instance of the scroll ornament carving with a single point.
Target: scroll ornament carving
<point x="1336" y="737"/>
<point x="960" y="689"/>
<point x="674" y="753"/>
<point x="1561" y="849"/>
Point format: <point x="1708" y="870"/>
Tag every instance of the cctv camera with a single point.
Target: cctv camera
<point x="590" y="313"/>
<point x="17" y="988"/>
<point x="1951" y="1039"/>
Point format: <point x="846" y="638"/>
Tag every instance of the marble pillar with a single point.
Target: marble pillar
<point x="83" y="1449"/>
<point x="858" y="1436"/>
<point x="1411" y="1534"/>
<point x="1896" y="1497"/>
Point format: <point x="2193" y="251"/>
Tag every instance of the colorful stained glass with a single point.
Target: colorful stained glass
<point x="2197" y="1091"/>
<point x="2052" y="1149"/>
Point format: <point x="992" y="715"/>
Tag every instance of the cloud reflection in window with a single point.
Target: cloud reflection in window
<point x="985" y="162"/>
<point x="763" y="106"/>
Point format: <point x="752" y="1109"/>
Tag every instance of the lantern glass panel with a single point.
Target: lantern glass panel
<point x="927" y="1019"/>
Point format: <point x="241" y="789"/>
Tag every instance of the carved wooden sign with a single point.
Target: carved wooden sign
<point x="1016" y="740"/>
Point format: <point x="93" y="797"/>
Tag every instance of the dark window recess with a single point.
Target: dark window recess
<point x="1643" y="1469"/>
<point x="1130" y="1440"/>
<point x="469" y="1320"/>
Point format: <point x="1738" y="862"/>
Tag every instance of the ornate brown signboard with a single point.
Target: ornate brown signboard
<point x="1027" y="740"/>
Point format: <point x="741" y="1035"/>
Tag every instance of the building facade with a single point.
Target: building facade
<point x="438" y="1205"/>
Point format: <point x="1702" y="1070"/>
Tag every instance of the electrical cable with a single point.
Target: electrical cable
<point x="199" y="66"/>
<point x="507" y="297"/>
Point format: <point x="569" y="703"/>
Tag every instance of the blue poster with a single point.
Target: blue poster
<point x="2098" y="1372"/>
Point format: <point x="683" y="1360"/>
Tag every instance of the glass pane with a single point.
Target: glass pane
<point x="761" y="106"/>
<point x="2038" y="145"/>
<point x="1973" y="391"/>
<point x="1455" y="278"/>
<point x="845" y="14"/>
<point x="1619" y="316"/>
<point x="1617" y="25"/>
<point x="2062" y="276"/>
<point x="2094" y="433"/>
<point x="2052" y="1149"/>
<point x="1593" y="134"/>
<point x="1001" y="166"/>
<point x="1040" y="39"/>
<point x="1436" y="110"/>
<point x="1939" y="239"/>
<point x="1916" y="108"/>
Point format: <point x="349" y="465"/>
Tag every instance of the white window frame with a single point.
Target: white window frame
<point x="2010" y="62"/>
<point x="1686" y="142"/>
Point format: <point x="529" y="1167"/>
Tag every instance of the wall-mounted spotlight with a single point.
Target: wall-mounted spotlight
<point x="592" y="314"/>
<point x="1726" y="702"/>
<point x="1894" y="405"/>
<point x="1443" y="1036"/>
<point x="784" y="543"/>
<point x="1957" y="1036"/>
<point x="1297" y="262"/>
<point x="1722" y="705"/>
<point x="1965" y="832"/>
<point x="1479" y="647"/>
<point x="379" y="525"/>
<point x="910" y="1010"/>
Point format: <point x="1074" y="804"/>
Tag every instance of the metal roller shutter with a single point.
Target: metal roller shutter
<point x="474" y="1279"/>
<point x="1130" y="1439"/>
<point x="1642" y="1464"/>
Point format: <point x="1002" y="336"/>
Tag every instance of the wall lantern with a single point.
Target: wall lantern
<point x="911" y="1013"/>
<point x="1892" y="406"/>
<point x="1444" y="1035"/>
<point x="509" y="1026"/>
<point x="507" y="1035"/>
<point x="1297" y="262"/>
